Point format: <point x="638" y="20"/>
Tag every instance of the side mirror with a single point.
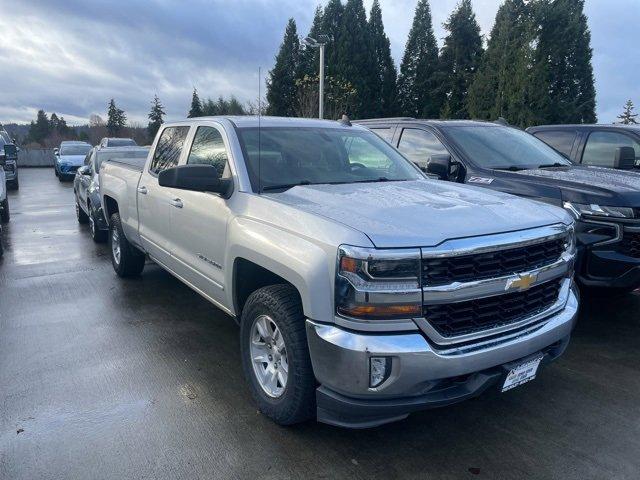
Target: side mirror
<point x="84" y="170"/>
<point x="440" y="166"/>
<point x="198" y="178"/>
<point x="56" y="151"/>
<point x="625" y="158"/>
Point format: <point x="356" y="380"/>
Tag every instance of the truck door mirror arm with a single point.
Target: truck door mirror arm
<point x="197" y="178"/>
<point x="625" y="158"/>
<point x="440" y="165"/>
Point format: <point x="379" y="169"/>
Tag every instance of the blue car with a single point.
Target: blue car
<point x="69" y="157"/>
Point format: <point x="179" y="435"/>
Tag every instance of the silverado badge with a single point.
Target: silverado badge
<point x="522" y="282"/>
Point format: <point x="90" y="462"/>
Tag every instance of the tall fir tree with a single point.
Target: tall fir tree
<point x="459" y="59"/>
<point x="499" y="89"/>
<point x="562" y="79"/>
<point x="355" y="61"/>
<point x="196" y="105"/>
<point x="40" y="129"/>
<point x="627" y="117"/>
<point x="383" y="102"/>
<point x="332" y="27"/>
<point x="310" y="57"/>
<point x="156" y="117"/>
<point x="281" y="84"/>
<point x="418" y="95"/>
<point x="116" y="119"/>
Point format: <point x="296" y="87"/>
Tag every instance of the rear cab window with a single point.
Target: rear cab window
<point x="168" y="149"/>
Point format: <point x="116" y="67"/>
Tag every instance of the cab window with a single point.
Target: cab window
<point x="168" y="150"/>
<point x="601" y="148"/>
<point x="562" y="141"/>
<point x="208" y="149"/>
<point x="419" y="145"/>
<point x="385" y="133"/>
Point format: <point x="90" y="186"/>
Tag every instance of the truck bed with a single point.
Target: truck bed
<point x="133" y="163"/>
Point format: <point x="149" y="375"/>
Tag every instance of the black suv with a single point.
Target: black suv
<point x="592" y="144"/>
<point x="605" y="202"/>
<point x="9" y="159"/>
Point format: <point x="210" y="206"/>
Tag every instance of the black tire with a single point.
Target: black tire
<point x="80" y="215"/>
<point x="60" y="178"/>
<point x="282" y="303"/>
<point x="1" y="247"/>
<point x="131" y="261"/>
<point x="5" y="214"/>
<point x="98" y="236"/>
<point x="14" y="184"/>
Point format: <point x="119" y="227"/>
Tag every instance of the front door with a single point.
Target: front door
<point x="199" y="220"/>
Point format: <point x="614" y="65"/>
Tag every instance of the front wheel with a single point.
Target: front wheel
<point x="126" y="259"/>
<point x="275" y="355"/>
<point x="5" y="215"/>
<point x="98" y="236"/>
<point x="80" y="215"/>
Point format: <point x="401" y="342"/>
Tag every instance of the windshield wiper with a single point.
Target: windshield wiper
<point x="552" y="165"/>
<point x="511" y="168"/>
<point x="286" y="186"/>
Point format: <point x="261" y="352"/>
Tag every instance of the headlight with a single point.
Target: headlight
<point x="578" y="210"/>
<point x="378" y="284"/>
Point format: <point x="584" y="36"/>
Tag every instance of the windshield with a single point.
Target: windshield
<point x="121" y="142"/>
<point x="292" y="156"/>
<point x="75" y="149"/>
<point x="103" y="156"/>
<point x="504" y="148"/>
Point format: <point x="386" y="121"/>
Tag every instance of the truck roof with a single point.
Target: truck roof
<point x="248" y="121"/>
<point x="635" y="128"/>
<point x="437" y="122"/>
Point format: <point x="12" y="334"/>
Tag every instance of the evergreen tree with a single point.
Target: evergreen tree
<point x="310" y="57"/>
<point x="500" y="87"/>
<point x="355" y="60"/>
<point x="196" y="106"/>
<point x="332" y="27"/>
<point x="281" y="85"/>
<point x="383" y="102"/>
<point x="460" y="58"/>
<point x="156" y="117"/>
<point x="418" y="93"/>
<point x="63" y="128"/>
<point x="562" y="78"/>
<point x="116" y="120"/>
<point x="627" y="117"/>
<point x="54" y="122"/>
<point x="40" y="129"/>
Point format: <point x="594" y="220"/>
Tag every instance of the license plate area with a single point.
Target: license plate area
<point x="521" y="372"/>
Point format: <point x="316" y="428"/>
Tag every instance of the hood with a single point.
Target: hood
<point x="604" y="186"/>
<point x="420" y="213"/>
<point x="75" y="160"/>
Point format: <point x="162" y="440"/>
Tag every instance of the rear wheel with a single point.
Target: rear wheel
<point x="5" y="215"/>
<point x="126" y="259"/>
<point x="275" y="355"/>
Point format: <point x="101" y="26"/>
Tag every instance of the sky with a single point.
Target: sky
<point x="72" y="56"/>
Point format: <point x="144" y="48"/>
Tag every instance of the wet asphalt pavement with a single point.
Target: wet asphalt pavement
<point x="105" y="378"/>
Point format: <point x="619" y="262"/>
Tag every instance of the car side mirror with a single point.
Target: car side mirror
<point x="440" y="166"/>
<point x="198" y="178"/>
<point x="625" y="158"/>
<point x="84" y="170"/>
<point x="56" y="151"/>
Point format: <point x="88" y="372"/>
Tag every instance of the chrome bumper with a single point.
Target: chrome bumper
<point x="340" y="357"/>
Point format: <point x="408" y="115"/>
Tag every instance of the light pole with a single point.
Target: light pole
<point x="319" y="43"/>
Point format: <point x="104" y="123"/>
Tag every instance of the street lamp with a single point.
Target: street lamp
<point x="320" y="43"/>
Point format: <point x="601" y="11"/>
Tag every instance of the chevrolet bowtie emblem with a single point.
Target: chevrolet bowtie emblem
<point x="523" y="282"/>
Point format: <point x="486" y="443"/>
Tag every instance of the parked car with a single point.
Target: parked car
<point x="117" y="142"/>
<point x="4" y="206"/>
<point x="595" y="145"/>
<point x="605" y="202"/>
<point x="86" y="185"/>
<point x="69" y="157"/>
<point x="363" y="290"/>
<point x="9" y="159"/>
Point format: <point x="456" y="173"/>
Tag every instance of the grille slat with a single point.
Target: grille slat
<point x="462" y="318"/>
<point x="466" y="268"/>
<point x="630" y="244"/>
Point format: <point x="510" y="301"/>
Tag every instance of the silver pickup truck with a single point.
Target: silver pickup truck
<point x="364" y="291"/>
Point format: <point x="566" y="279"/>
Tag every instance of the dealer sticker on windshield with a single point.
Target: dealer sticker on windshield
<point x="523" y="373"/>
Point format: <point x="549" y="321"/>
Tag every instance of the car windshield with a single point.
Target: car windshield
<point x="121" y="142"/>
<point x="75" y="149"/>
<point x="504" y="148"/>
<point x="282" y="157"/>
<point x="103" y="156"/>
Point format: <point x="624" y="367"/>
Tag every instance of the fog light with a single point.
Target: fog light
<point x="379" y="370"/>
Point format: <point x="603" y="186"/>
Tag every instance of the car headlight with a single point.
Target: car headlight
<point x="378" y="284"/>
<point x="579" y="210"/>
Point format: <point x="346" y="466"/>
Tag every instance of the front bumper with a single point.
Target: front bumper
<point x="608" y="263"/>
<point x="67" y="169"/>
<point x="422" y="376"/>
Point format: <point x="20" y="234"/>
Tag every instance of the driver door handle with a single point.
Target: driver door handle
<point x="142" y="190"/>
<point x="176" y="202"/>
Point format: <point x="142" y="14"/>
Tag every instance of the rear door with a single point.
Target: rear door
<point x="155" y="202"/>
<point x="199" y="221"/>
